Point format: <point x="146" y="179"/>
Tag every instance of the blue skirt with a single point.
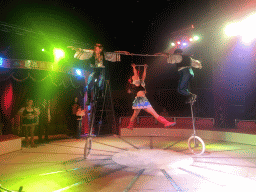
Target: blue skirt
<point x="141" y="103"/>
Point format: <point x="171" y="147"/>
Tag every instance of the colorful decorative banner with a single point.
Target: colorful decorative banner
<point x="29" y="64"/>
<point x="40" y="65"/>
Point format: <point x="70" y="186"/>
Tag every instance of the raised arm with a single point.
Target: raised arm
<point x="144" y="72"/>
<point x="162" y="54"/>
<point x="123" y="52"/>
<point x="82" y="54"/>
<point x="74" y="48"/>
<point x="135" y="72"/>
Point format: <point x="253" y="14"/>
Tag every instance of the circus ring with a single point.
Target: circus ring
<point x="148" y="158"/>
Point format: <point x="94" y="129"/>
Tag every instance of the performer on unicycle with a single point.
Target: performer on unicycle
<point x="97" y="56"/>
<point x="137" y="86"/>
<point x="185" y="64"/>
<point x="97" y="77"/>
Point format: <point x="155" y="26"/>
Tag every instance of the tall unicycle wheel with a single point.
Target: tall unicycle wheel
<point x="88" y="142"/>
<point x="195" y="144"/>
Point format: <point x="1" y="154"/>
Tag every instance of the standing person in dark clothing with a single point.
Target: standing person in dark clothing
<point x="185" y="64"/>
<point x="43" y="128"/>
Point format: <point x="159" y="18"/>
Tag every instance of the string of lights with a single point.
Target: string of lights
<point x="23" y="31"/>
<point x="182" y="43"/>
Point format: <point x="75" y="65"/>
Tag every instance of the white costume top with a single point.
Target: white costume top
<point x="175" y="58"/>
<point x="83" y="54"/>
<point x="139" y="82"/>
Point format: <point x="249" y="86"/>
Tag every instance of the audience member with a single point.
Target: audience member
<point x="29" y="116"/>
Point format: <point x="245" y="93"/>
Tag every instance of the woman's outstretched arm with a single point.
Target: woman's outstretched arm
<point x="135" y="72"/>
<point x="144" y="72"/>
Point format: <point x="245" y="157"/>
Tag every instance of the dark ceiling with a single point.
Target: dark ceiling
<point x="135" y="26"/>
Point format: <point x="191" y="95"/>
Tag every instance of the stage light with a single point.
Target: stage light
<point x="79" y="72"/>
<point x="42" y="49"/>
<point x="196" y="38"/>
<point x="184" y="44"/>
<point x="248" y="31"/>
<point x="178" y="42"/>
<point x="232" y="29"/>
<point x="58" y="53"/>
<point x="247" y="38"/>
<point x="190" y="39"/>
<point x="1" y="61"/>
<point x="245" y="29"/>
<point x="173" y="44"/>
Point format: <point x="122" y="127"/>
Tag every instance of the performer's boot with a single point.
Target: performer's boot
<point x="130" y="126"/>
<point x="188" y="98"/>
<point x="191" y="98"/>
<point x="165" y="122"/>
<point x="32" y="142"/>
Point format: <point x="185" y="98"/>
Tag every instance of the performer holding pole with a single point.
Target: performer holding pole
<point x="98" y="56"/>
<point x="137" y="86"/>
<point x="185" y="64"/>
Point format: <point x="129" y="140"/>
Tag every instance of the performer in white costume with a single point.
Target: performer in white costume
<point x="185" y="64"/>
<point x="98" y="55"/>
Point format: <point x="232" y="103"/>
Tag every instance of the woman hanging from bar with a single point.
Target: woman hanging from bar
<point x="137" y="86"/>
<point x="185" y="64"/>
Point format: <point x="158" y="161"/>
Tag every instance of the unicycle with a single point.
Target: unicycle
<point x="195" y="144"/>
<point x="88" y="142"/>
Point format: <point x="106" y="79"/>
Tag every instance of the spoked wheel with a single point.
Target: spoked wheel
<point x="87" y="147"/>
<point x="196" y="145"/>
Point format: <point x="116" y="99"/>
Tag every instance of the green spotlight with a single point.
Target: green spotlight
<point x="58" y="53"/>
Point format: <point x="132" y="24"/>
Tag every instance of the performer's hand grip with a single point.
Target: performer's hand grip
<point x="74" y="48"/>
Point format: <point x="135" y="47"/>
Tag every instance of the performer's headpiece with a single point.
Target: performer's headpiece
<point x="178" y="51"/>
